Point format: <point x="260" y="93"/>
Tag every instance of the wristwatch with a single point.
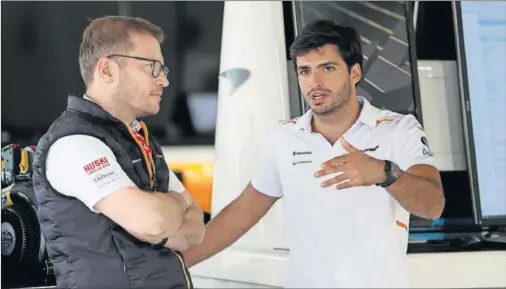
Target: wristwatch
<point x="392" y="173"/>
<point x="160" y="245"/>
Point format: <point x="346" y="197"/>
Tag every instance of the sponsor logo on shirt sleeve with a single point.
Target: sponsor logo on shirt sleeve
<point x="101" y="172"/>
<point x="426" y="150"/>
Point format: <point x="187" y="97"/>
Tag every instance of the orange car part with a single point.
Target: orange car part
<point x="198" y="180"/>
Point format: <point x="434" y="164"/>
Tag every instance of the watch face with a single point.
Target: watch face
<point x="395" y="171"/>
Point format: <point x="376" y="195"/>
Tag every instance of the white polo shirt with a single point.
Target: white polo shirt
<point x="355" y="237"/>
<point x="69" y="157"/>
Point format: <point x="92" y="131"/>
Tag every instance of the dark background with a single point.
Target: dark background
<point x="40" y="42"/>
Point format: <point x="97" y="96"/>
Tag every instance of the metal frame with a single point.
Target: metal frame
<point x="303" y="106"/>
<point x="467" y="123"/>
<point x="411" y="33"/>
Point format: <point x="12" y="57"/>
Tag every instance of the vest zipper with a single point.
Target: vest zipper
<point x="155" y="185"/>
<point x="122" y="260"/>
<point x="184" y="269"/>
<point x="125" y="270"/>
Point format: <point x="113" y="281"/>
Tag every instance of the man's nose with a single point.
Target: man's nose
<point x="163" y="80"/>
<point x="315" y="80"/>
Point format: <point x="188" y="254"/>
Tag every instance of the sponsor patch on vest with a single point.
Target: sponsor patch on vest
<point x="101" y="172"/>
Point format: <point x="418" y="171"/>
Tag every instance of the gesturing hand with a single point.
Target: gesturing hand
<point x="358" y="169"/>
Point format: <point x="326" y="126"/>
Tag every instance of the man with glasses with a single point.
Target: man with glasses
<point x="113" y="214"/>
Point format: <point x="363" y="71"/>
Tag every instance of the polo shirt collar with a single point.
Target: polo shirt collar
<point x="368" y="116"/>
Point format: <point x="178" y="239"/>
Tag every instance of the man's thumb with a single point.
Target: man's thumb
<point x="347" y="146"/>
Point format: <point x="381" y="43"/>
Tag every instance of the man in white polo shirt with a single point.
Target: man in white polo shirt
<point x="350" y="175"/>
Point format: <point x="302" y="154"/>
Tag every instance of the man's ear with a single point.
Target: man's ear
<point x="356" y="73"/>
<point x="105" y="70"/>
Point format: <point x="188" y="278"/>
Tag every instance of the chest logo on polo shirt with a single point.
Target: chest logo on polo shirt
<point x="301" y="153"/>
<point x="296" y="153"/>
<point x="370" y="149"/>
<point x="301" y="162"/>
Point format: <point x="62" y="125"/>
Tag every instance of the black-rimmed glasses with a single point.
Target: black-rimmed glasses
<point x="156" y="68"/>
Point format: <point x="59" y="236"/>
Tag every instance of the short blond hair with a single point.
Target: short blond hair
<point x="109" y="35"/>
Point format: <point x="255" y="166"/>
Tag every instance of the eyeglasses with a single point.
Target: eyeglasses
<point x="156" y="67"/>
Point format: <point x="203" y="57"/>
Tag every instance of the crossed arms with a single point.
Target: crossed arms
<point x="148" y="216"/>
<point x="156" y="216"/>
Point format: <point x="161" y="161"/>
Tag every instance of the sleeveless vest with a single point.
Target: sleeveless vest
<point x="88" y="250"/>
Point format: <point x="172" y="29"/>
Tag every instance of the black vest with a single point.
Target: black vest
<point x="87" y="249"/>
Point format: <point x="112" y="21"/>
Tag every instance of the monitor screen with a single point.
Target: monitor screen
<point x="481" y="46"/>
<point x="389" y="78"/>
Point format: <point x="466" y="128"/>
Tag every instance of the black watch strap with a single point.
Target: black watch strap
<point x="392" y="173"/>
<point x="160" y="245"/>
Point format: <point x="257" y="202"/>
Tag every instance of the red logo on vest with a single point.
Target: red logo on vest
<point x="96" y="165"/>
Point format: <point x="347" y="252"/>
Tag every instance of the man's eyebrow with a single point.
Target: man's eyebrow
<point x="319" y="66"/>
<point x="327" y="63"/>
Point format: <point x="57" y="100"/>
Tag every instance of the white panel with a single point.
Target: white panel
<point x="442" y="116"/>
<point x="485" y="269"/>
<point x="253" y="98"/>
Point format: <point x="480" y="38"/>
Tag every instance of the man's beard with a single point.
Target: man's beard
<point x="338" y="102"/>
<point x="124" y="97"/>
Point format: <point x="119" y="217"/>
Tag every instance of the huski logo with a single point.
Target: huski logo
<point x="236" y="77"/>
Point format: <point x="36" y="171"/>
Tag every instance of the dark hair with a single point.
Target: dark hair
<point x="322" y="32"/>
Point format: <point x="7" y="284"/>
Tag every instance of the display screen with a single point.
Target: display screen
<point x="483" y="42"/>
<point x="387" y="73"/>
